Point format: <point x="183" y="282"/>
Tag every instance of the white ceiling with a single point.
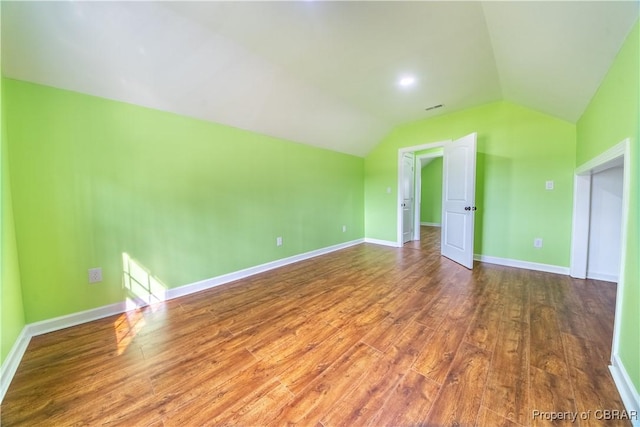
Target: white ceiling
<point x="319" y="73"/>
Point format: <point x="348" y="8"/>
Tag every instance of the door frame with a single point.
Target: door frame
<point x="401" y="152"/>
<point x="582" y="215"/>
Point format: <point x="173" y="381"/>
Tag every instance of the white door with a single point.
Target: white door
<point x="408" y="162"/>
<point x="458" y="199"/>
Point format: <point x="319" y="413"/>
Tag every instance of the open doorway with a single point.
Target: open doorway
<point x="421" y="199"/>
<point x="458" y="197"/>
<point x="428" y="202"/>
<point x="605" y="225"/>
<point x="602" y="175"/>
<point x="428" y="191"/>
<point x="411" y="229"/>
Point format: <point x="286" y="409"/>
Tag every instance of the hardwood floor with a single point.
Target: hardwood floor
<point x="368" y="335"/>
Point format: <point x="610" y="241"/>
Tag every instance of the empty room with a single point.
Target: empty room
<point x="320" y="213"/>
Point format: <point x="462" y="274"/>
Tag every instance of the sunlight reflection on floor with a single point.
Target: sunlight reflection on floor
<point x="144" y="290"/>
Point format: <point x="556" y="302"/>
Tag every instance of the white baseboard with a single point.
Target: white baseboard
<point x="11" y="363"/>
<point x="602" y="276"/>
<point x="522" y="264"/>
<point x="241" y="274"/>
<point x="381" y="242"/>
<point x="628" y="392"/>
<point x="431" y="224"/>
<point x="74" y="319"/>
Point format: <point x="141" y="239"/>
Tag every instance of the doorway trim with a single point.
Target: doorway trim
<point x="581" y="217"/>
<point x="401" y="152"/>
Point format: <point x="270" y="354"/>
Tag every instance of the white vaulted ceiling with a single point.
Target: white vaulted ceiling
<point x="320" y="73"/>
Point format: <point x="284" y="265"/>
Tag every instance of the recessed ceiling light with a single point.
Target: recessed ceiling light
<point x="406" y="81"/>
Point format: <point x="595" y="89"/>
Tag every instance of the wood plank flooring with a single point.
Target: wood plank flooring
<point x="368" y="335"/>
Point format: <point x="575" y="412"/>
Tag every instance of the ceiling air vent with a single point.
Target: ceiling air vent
<point x="434" y="107"/>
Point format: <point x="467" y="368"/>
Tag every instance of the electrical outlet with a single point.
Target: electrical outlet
<point x="95" y="275"/>
<point x="278" y="241"/>
<point x="344" y="228"/>
<point x="537" y="242"/>
<point x="548" y="185"/>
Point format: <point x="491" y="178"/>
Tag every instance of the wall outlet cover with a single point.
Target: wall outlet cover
<point x="95" y="275"/>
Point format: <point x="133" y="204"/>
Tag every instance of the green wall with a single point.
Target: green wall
<point x="11" y="308"/>
<point x="612" y="116"/>
<point x="518" y="150"/>
<point x="92" y="179"/>
<point x="431" y="192"/>
<point x="186" y="199"/>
